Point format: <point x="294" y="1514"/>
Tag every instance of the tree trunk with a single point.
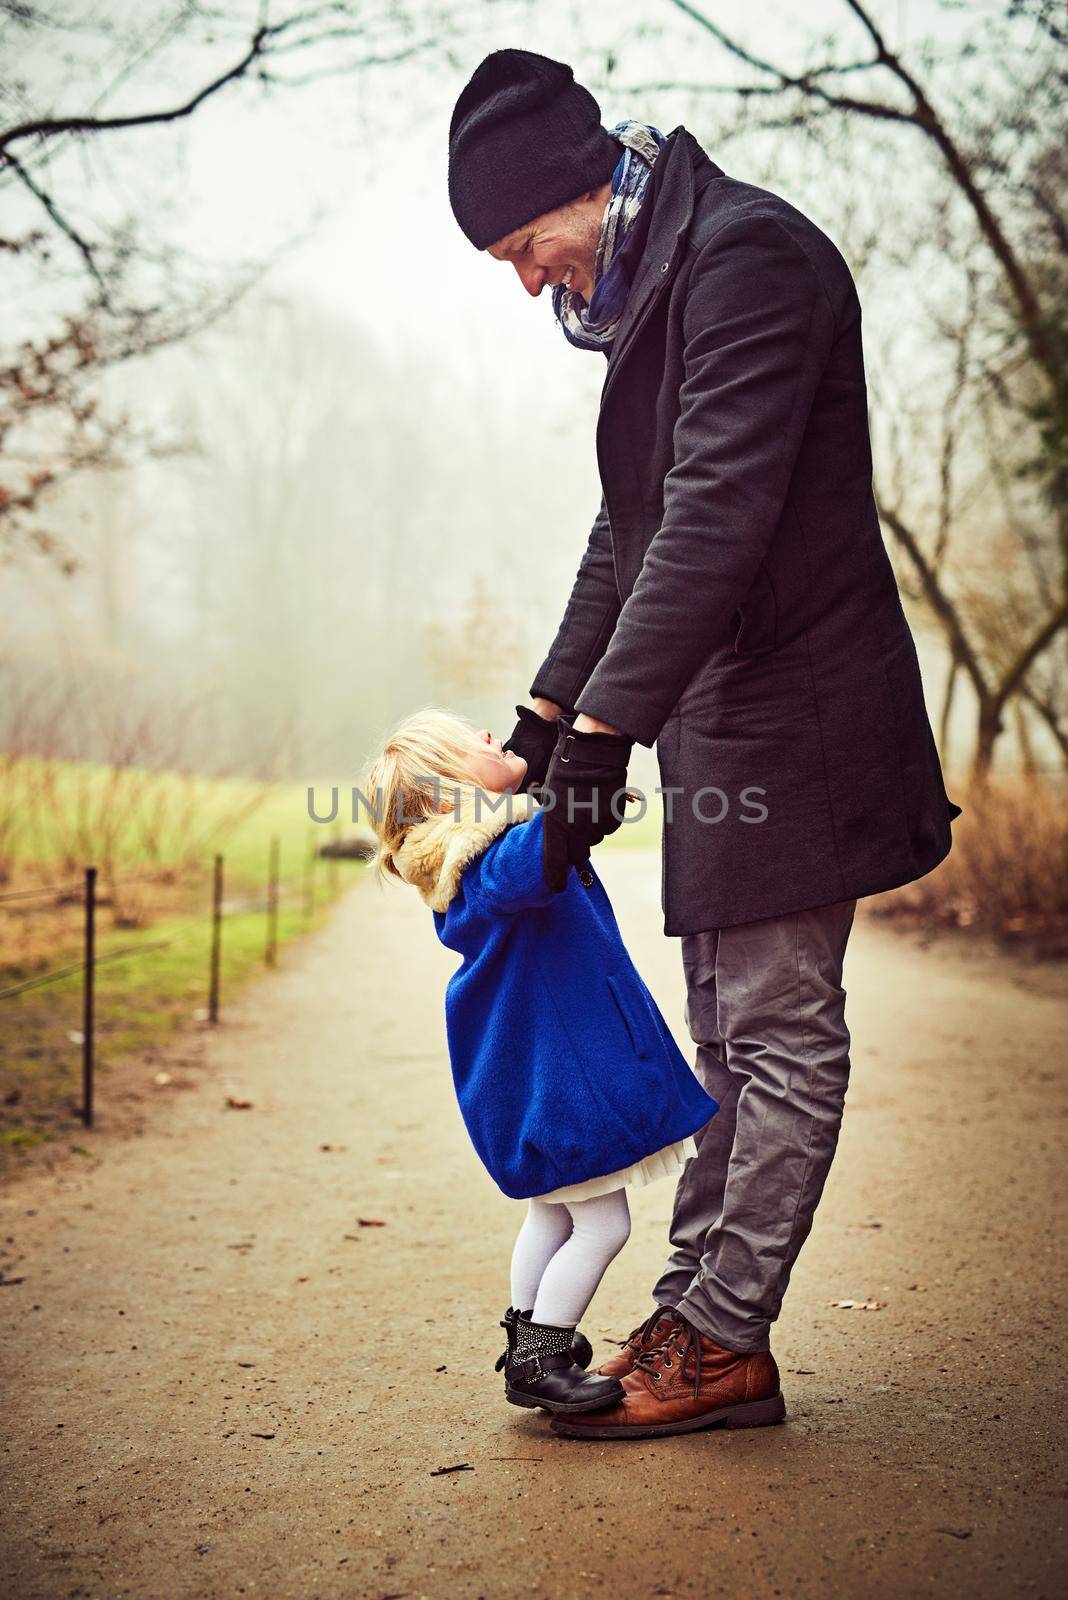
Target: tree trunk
<point x="1023" y="736"/>
<point x="989" y="727"/>
<point x="947" y="709"/>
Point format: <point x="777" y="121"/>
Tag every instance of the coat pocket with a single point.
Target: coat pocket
<point x="757" y="617"/>
<point x="634" y="1023"/>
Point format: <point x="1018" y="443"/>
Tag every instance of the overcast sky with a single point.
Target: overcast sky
<point x="358" y="164"/>
<point x="388" y="249"/>
<point x="342" y="186"/>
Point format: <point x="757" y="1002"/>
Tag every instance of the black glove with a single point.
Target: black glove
<point x="534" y="738"/>
<point x="586" y="773"/>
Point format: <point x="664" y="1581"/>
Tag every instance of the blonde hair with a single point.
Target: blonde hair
<point x="421" y="766"/>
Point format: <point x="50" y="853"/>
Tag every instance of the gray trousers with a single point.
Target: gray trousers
<point x="766" y="1008"/>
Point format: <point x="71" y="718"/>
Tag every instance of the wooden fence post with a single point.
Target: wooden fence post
<point x="88" y="996"/>
<point x="334" y="862"/>
<point x="309" y="874"/>
<point x="216" y="940"/>
<point x="271" y="956"/>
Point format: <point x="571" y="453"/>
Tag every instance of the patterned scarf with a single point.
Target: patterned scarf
<point x="593" y="326"/>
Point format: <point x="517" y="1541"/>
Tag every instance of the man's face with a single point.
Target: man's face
<point x="558" y="247"/>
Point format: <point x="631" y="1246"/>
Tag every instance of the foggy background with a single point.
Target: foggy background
<point x="363" y="479"/>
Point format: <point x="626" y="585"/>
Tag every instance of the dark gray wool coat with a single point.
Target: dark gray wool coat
<point x="735" y="605"/>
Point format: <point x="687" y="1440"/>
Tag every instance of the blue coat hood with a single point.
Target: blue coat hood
<point x="564" y="1067"/>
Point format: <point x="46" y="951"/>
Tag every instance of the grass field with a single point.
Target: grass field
<point x="153" y="838"/>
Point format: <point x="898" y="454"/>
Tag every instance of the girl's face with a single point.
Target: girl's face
<point x="496" y="770"/>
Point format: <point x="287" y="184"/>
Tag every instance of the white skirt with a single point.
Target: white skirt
<point x="665" y="1163"/>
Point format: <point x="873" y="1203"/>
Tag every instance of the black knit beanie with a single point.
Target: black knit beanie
<point x="524" y="139"/>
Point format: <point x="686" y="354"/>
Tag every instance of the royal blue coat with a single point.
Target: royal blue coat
<point x="563" y="1065"/>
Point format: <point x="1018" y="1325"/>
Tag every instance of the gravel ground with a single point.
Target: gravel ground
<point x="220" y="1380"/>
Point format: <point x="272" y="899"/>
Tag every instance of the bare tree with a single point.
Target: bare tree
<point x="980" y="117"/>
<point x="109" y="290"/>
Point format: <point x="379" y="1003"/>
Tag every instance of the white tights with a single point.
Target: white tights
<point x="562" y="1252"/>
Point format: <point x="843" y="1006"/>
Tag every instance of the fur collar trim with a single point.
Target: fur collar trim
<point x="436" y="851"/>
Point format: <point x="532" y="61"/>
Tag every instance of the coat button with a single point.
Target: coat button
<point x="585" y="876"/>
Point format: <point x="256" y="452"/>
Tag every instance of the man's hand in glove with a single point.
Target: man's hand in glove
<point x="583" y="797"/>
<point x="534" y="737"/>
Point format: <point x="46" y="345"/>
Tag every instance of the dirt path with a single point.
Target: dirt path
<point x="219" y="1383"/>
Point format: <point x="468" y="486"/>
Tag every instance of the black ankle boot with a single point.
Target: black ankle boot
<point x="508" y="1322"/>
<point x="581" y="1348"/>
<point x="546" y="1373"/>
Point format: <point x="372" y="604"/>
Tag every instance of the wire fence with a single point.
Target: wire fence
<point x="221" y="908"/>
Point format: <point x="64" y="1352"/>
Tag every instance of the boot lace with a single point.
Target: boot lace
<point x="682" y="1342"/>
<point x="641" y="1338"/>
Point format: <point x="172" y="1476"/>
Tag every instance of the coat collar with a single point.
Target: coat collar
<point x="436" y="851"/>
<point x="673" y="205"/>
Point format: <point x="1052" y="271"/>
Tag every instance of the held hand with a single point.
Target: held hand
<point x="583" y="796"/>
<point x="534" y="738"/>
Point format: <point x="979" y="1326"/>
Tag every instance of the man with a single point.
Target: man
<point x="735" y="606"/>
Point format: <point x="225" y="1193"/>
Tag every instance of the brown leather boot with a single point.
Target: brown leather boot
<point x="646" y="1336"/>
<point x="685" y="1383"/>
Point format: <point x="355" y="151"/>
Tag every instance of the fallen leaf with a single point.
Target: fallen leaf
<point x="246" y="1363"/>
<point x="75" y="1036"/>
<point x="263" y="1435"/>
<point x="370" y="1222"/>
<point x="920" y="1288"/>
<point x="461" y="1466"/>
<point x="238" y="1105"/>
<point x="956" y="1533"/>
<point x="441" y="1369"/>
<point x="332" y="1147"/>
<point x="162" y="1078"/>
<point x="857" y="1305"/>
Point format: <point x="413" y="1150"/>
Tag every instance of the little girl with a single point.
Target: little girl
<point x="568" y="1078"/>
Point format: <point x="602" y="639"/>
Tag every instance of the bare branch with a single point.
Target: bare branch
<point x="1047" y="712"/>
<point x="83" y="247"/>
<point x="923" y="115"/>
<point x="48" y="126"/>
<point x="1027" y="657"/>
<point x="939" y="601"/>
<point x="806" y="81"/>
<point x="340" y="69"/>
